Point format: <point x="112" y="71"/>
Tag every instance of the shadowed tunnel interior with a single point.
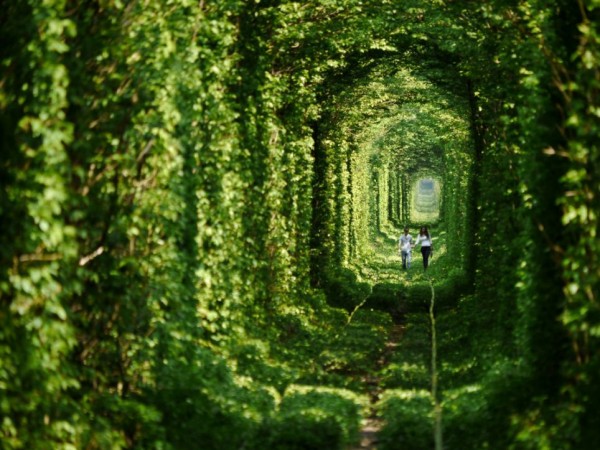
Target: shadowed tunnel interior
<point x="398" y="153"/>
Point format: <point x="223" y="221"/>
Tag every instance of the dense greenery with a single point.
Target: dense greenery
<point x="200" y="208"/>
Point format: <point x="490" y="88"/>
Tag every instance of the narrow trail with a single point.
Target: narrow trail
<point x="372" y="424"/>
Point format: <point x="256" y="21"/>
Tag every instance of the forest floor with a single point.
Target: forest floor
<point x="372" y="369"/>
<point x="407" y="367"/>
<point x="372" y="424"/>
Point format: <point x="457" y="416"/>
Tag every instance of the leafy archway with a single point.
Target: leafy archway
<point x="189" y="188"/>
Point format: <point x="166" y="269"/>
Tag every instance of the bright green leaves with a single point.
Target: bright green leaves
<point x="395" y="125"/>
<point x="173" y="173"/>
<point x="579" y="201"/>
<point x="37" y="244"/>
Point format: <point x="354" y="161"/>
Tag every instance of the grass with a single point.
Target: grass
<point x="326" y="366"/>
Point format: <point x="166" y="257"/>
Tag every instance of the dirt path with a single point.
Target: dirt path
<point x="372" y="424"/>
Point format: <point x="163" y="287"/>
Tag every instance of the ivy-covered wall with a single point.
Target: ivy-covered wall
<point x="156" y="173"/>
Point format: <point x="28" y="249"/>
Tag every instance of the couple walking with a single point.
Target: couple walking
<point x="406" y="245"/>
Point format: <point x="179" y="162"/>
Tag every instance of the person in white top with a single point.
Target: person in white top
<point x="405" y="246"/>
<point x="426" y="242"/>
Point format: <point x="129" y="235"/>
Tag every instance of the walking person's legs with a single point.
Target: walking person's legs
<point x="404" y="259"/>
<point x="425" y="251"/>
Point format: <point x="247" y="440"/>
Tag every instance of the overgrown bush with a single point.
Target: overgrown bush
<point x="408" y="421"/>
<point x="311" y="418"/>
<point x="343" y="290"/>
<point x="202" y="402"/>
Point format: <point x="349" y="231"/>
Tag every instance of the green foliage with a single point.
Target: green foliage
<point x="345" y="291"/>
<point x="316" y="418"/>
<point x="151" y="203"/>
<point x="421" y="132"/>
<point x="409" y="366"/>
<point x="408" y="420"/>
<point x="357" y="347"/>
<point x="191" y="189"/>
<point x="203" y="403"/>
<point x="36" y="240"/>
<point x="579" y="207"/>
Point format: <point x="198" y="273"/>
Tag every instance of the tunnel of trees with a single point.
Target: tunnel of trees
<point x="200" y="210"/>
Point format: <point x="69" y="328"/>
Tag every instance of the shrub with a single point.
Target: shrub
<point x="203" y="406"/>
<point x="408" y="420"/>
<point x="316" y="418"/>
